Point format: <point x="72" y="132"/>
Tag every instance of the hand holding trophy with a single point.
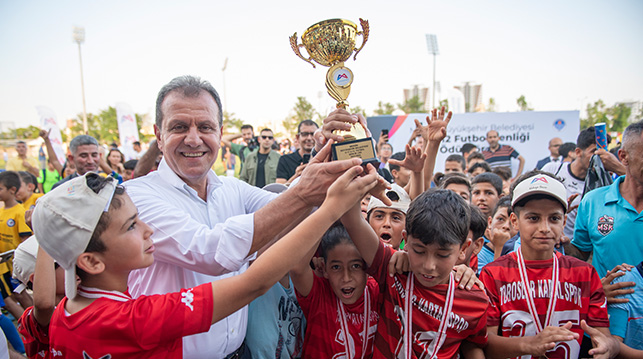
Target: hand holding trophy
<point x="330" y="43"/>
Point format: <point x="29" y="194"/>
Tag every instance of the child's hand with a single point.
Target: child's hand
<point x="318" y="266"/>
<point x="620" y="288"/>
<point x="604" y="346"/>
<point x="349" y="189"/>
<point x="436" y="128"/>
<point x="547" y="339"/>
<point x="414" y="159"/>
<point x="379" y="191"/>
<point x="399" y="263"/>
<point x="466" y="277"/>
<point x="499" y="236"/>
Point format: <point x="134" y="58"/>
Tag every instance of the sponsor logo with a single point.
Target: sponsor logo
<point x="187" y="298"/>
<point x="605" y="225"/>
<point x="559" y="124"/>
<point x="539" y="179"/>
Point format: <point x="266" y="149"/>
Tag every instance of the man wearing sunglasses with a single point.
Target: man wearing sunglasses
<point x="291" y="166"/>
<point x="260" y="167"/>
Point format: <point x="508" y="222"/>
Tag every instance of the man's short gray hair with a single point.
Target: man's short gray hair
<point x="190" y="86"/>
<point x="81" y="140"/>
<point x="632" y="134"/>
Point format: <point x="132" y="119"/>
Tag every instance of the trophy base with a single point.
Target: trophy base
<point x="361" y="148"/>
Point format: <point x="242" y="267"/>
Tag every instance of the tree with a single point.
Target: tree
<point x="22" y="133"/>
<point x="615" y="118"/>
<point x="522" y="104"/>
<point x="384" y="108"/>
<point x="491" y="106"/>
<point x="104" y="126"/>
<point x="412" y="105"/>
<point x="303" y="110"/>
<point x="230" y="122"/>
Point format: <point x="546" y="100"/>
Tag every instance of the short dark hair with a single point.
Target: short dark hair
<point x="566" y="148"/>
<point x="138" y="143"/>
<point x="265" y="130"/>
<point x="387" y="144"/>
<point x="586" y="138"/>
<point x="246" y="126"/>
<point x="475" y="155"/>
<point x="467" y="147"/>
<point x="478" y="223"/>
<point x="21" y="142"/>
<point x="190" y="86"/>
<point x="306" y="123"/>
<point x="28" y="178"/>
<point x="396" y="156"/>
<point x="489" y="177"/>
<point x="503" y="202"/>
<point x="130" y="165"/>
<point x="502" y="171"/>
<point x="81" y="140"/>
<point x="10" y="179"/>
<point x="454" y="178"/>
<point x="333" y="237"/>
<point x="438" y="216"/>
<point x="457" y="158"/>
<point x="483" y="165"/>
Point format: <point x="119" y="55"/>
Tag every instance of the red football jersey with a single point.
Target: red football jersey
<point x="34" y="336"/>
<point x="145" y="327"/>
<point x="579" y="296"/>
<point x="324" y="337"/>
<point x="468" y="319"/>
<point x="473" y="263"/>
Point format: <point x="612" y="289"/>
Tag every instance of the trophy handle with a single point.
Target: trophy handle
<point x="295" y="48"/>
<point x="364" y="33"/>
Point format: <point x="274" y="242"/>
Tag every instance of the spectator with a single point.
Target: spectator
<point x="554" y="154"/>
<point x="467" y="149"/>
<point x="473" y="158"/>
<point x="86" y="157"/>
<point x="248" y="137"/>
<point x="260" y="167"/>
<point x="138" y="151"/>
<point x="485" y="192"/>
<point x="129" y="168"/>
<point x="454" y="163"/>
<point x="115" y="160"/>
<point x="23" y="162"/>
<point x="500" y="155"/>
<point x="401" y="175"/>
<point x="458" y="183"/>
<point x="505" y="174"/>
<point x="566" y="151"/>
<point x="608" y="220"/>
<point x="291" y="166"/>
<point x="478" y="168"/>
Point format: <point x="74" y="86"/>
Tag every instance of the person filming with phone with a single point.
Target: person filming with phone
<point x="290" y="166"/>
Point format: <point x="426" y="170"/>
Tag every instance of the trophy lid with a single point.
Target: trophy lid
<point x="330" y="41"/>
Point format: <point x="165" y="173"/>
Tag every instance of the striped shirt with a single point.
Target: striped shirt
<point x="500" y="157"/>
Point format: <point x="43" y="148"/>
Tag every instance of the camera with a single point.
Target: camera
<point x="253" y="143"/>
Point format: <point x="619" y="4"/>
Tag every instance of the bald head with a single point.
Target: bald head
<point x="554" y="145"/>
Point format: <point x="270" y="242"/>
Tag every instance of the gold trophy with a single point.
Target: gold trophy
<point x="330" y="43"/>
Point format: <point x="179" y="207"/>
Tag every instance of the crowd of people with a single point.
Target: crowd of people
<point x="305" y="257"/>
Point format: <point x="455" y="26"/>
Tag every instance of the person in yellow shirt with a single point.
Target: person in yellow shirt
<point x="13" y="230"/>
<point x="22" y="162"/>
<point x="26" y="194"/>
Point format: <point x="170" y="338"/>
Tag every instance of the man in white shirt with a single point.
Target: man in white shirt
<point x="206" y="227"/>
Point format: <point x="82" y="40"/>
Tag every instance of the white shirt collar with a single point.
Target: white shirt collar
<point x="174" y="180"/>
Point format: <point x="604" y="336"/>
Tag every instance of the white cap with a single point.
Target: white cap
<point x="397" y="195"/>
<point x="24" y="262"/>
<point x="64" y="221"/>
<point x="540" y="184"/>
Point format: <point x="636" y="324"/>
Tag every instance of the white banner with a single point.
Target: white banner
<point x="528" y="132"/>
<point x="127" y="129"/>
<point x="48" y="122"/>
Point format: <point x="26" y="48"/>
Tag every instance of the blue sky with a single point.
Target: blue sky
<point x="560" y="54"/>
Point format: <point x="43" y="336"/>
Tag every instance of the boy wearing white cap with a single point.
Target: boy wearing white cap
<point x="388" y="221"/>
<point x="90" y="227"/>
<point x="541" y="300"/>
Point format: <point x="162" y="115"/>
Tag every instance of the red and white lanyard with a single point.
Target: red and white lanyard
<point x="442" y="329"/>
<point x="344" y="325"/>
<point x="96" y="293"/>
<point x="555" y="272"/>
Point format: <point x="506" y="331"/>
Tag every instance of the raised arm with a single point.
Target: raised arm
<point x="44" y="288"/>
<point x="434" y="133"/>
<point x="226" y="140"/>
<point x="414" y="161"/>
<point x="232" y="293"/>
<point x="51" y="154"/>
<point x="147" y="161"/>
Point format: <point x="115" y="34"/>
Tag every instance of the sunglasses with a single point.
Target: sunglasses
<point x="266" y="137"/>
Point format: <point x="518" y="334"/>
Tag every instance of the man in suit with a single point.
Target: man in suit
<point x="554" y="144"/>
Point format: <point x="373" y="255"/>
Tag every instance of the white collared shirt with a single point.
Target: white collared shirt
<point x="197" y="242"/>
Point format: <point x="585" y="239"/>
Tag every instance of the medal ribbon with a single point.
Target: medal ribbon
<point x="555" y="272"/>
<point x="96" y="293"/>
<point x="442" y="329"/>
<point x="344" y="324"/>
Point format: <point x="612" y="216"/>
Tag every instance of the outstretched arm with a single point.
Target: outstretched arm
<point x="51" y="154"/>
<point x="434" y="133"/>
<point x="232" y="293"/>
<point x="414" y="161"/>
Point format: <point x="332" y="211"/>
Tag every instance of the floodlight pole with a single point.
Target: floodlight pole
<point x="79" y="38"/>
<point x="432" y="46"/>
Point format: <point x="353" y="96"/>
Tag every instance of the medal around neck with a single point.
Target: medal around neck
<point x="330" y="43"/>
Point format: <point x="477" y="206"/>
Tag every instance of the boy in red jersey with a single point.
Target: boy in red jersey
<point x="414" y="306"/>
<point x="548" y="319"/>
<point x="90" y="226"/>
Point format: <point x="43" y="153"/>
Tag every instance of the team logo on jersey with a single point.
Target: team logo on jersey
<point x="11" y="222"/>
<point x="106" y="356"/>
<point x="187" y="298"/>
<point x="605" y="225"/>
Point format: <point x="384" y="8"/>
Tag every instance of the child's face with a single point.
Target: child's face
<point x="127" y="239"/>
<point x="431" y="263"/>
<point x="24" y="192"/>
<point x="7" y="194"/>
<point x="388" y="224"/>
<point x="485" y="197"/>
<point x="346" y="273"/>
<point x="401" y="176"/>
<point x="500" y="220"/>
<point x="541" y="224"/>
<point x="364" y="204"/>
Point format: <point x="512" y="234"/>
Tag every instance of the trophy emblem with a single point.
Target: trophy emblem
<point x="330" y="43"/>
